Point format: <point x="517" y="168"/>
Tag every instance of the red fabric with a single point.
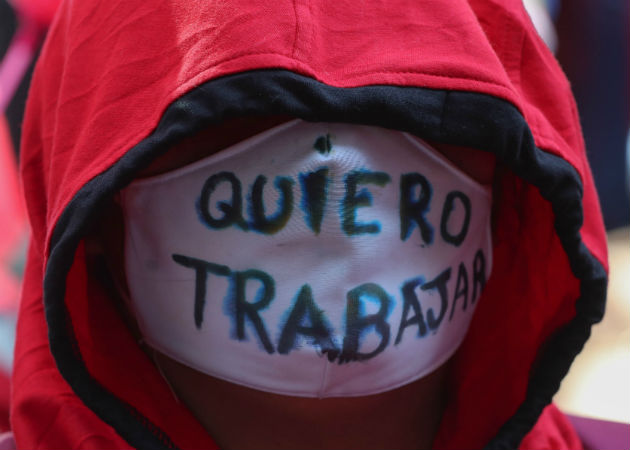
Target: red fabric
<point x="106" y="74"/>
<point x="554" y="431"/>
<point x="4" y="401"/>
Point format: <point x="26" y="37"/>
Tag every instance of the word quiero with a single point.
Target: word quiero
<point x="304" y="320"/>
<point x="415" y="201"/>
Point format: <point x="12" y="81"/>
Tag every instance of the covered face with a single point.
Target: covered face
<point x="310" y="260"/>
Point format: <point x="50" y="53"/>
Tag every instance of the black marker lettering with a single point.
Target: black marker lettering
<point x="317" y="330"/>
<point x="440" y="284"/>
<point x="231" y="211"/>
<point x="461" y="289"/>
<point x="410" y="300"/>
<point x="356" y="324"/>
<point x="259" y="221"/>
<point x="314" y="185"/>
<point x="202" y="269"/>
<point x="353" y="200"/>
<point x="415" y="209"/>
<point x="323" y="144"/>
<point x="245" y="310"/>
<point x="449" y="206"/>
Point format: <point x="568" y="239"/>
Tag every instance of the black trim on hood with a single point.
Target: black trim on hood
<point x="453" y="117"/>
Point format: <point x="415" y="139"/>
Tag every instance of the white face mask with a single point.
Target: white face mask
<point x="315" y="260"/>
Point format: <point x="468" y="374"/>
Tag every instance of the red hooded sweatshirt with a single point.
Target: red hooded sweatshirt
<point x="118" y="83"/>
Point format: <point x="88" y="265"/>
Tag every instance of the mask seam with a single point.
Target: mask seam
<point x="324" y="382"/>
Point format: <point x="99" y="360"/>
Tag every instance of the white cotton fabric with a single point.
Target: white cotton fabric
<point x="163" y="217"/>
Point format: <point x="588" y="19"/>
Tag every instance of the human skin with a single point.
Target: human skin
<point x="242" y="418"/>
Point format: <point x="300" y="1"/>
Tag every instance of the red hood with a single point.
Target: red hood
<point x="118" y="82"/>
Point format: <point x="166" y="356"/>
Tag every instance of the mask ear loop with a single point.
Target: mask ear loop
<point x="152" y="354"/>
<point x="123" y="291"/>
